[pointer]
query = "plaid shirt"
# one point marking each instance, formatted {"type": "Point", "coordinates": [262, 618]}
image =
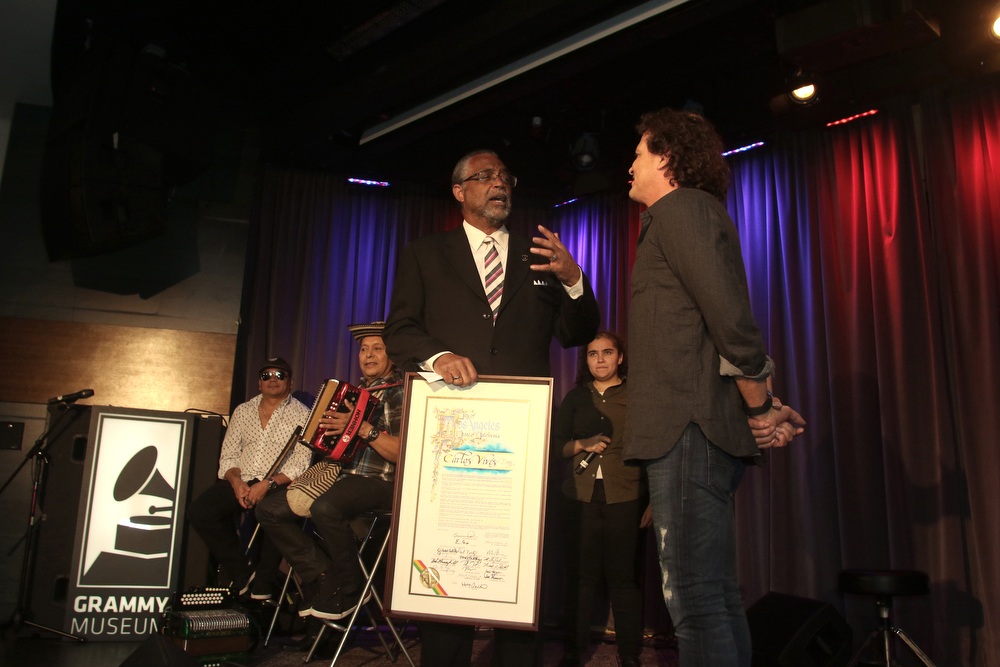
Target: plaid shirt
{"type": "Point", "coordinates": [387, 417]}
{"type": "Point", "coordinates": [254, 449]}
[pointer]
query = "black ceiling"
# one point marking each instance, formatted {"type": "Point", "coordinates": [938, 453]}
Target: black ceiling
{"type": "Point", "coordinates": [312, 76]}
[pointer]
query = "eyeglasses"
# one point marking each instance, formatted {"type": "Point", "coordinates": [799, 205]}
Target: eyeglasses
{"type": "Point", "coordinates": [491, 176]}
{"type": "Point", "coordinates": [278, 375]}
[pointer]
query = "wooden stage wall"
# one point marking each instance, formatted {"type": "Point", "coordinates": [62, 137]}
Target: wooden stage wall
{"type": "Point", "coordinates": [153, 369]}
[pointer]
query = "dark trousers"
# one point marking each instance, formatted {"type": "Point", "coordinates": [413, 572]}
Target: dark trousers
{"type": "Point", "coordinates": [331, 513]}
{"type": "Point", "coordinates": [447, 645]}
{"type": "Point", "coordinates": [211, 515]}
{"type": "Point", "coordinates": [605, 548]}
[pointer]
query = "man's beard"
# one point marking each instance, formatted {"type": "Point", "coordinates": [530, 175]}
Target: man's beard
{"type": "Point", "coordinates": [495, 214]}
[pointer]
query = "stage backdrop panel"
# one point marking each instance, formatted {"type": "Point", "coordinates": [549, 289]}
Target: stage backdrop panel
{"type": "Point", "coordinates": [159, 369]}
{"type": "Point", "coordinates": [127, 556]}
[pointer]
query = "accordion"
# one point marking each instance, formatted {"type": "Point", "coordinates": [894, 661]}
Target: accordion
{"type": "Point", "coordinates": [333, 396]}
{"type": "Point", "coordinates": [204, 625]}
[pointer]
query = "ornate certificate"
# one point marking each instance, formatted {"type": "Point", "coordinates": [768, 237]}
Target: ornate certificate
{"type": "Point", "coordinates": [470, 502]}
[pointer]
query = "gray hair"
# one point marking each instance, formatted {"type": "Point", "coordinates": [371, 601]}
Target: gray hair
{"type": "Point", "coordinates": [458, 173]}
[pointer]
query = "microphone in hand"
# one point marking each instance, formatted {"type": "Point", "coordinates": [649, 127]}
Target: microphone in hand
{"type": "Point", "coordinates": [582, 465]}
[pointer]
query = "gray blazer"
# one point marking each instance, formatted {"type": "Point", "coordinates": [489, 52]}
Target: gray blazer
{"type": "Point", "coordinates": [690, 304]}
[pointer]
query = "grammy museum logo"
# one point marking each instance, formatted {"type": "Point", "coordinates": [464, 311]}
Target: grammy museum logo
{"type": "Point", "coordinates": [128, 532]}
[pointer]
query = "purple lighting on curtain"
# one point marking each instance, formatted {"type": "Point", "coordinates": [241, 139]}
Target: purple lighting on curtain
{"type": "Point", "coordinates": [743, 149]}
{"type": "Point", "coordinates": [362, 181]}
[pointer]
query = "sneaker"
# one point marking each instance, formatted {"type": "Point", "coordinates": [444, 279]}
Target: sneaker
{"type": "Point", "coordinates": [325, 586]}
{"type": "Point", "coordinates": [309, 592]}
{"type": "Point", "coordinates": [261, 590]}
{"type": "Point", "coordinates": [237, 581]}
{"type": "Point", "coordinates": [337, 606]}
{"type": "Point", "coordinates": [241, 584]}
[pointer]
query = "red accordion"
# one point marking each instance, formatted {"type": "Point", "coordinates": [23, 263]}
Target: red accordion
{"type": "Point", "coordinates": [332, 397]}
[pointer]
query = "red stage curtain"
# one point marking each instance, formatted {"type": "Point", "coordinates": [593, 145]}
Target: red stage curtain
{"type": "Point", "coordinates": [962, 135]}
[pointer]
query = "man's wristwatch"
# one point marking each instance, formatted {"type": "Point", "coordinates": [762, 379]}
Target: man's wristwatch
{"type": "Point", "coordinates": [373, 435]}
{"type": "Point", "coordinates": [761, 409]}
{"type": "Point", "coordinates": [271, 484]}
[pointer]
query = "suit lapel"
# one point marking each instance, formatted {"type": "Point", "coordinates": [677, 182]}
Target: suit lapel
{"type": "Point", "coordinates": [518, 261]}
{"type": "Point", "coordinates": [457, 252]}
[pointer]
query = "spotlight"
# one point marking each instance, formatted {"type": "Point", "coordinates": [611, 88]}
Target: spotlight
{"type": "Point", "coordinates": [802, 89]}
{"type": "Point", "coordinates": [803, 94]}
{"type": "Point", "coordinates": [585, 152]}
{"type": "Point", "coordinates": [995, 28]}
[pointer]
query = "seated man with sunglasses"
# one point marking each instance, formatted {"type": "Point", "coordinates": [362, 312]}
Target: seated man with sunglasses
{"type": "Point", "coordinates": [258, 431]}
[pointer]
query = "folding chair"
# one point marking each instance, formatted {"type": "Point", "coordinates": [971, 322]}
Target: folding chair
{"type": "Point", "coordinates": [379, 519]}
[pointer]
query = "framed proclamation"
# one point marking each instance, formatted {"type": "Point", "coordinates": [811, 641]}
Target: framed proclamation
{"type": "Point", "coordinates": [469, 509]}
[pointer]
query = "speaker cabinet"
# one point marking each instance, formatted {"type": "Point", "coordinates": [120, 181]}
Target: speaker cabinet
{"type": "Point", "coordinates": [789, 631]}
{"type": "Point", "coordinates": [56, 531]}
{"type": "Point", "coordinates": [204, 471]}
{"type": "Point", "coordinates": [101, 192]}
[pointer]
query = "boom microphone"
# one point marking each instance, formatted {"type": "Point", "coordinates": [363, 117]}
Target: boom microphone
{"type": "Point", "coordinates": [72, 398]}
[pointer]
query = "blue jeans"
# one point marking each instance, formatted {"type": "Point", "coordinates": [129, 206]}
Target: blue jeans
{"type": "Point", "coordinates": [692, 491]}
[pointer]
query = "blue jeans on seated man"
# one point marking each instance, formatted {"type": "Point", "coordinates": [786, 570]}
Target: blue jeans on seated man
{"type": "Point", "coordinates": [692, 490]}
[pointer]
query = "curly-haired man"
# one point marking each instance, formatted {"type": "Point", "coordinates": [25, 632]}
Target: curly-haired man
{"type": "Point", "coordinates": [705, 409]}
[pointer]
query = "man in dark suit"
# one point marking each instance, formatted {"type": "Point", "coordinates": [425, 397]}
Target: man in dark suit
{"type": "Point", "coordinates": [468, 301]}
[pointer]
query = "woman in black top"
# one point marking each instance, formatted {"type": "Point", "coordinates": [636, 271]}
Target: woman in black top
{"type": "Point", "coordinates": [610, 498]}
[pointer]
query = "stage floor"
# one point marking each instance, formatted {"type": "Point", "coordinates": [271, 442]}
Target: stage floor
{"type": "Point", "coordinates": [365, 651]}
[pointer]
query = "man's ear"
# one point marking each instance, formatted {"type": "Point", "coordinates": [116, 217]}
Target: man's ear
{"type": "Point", "coordinates": [459, 193]}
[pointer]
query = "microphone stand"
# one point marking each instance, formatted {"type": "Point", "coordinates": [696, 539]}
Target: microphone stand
{"type": "Point", "coordinates": [39, 453]}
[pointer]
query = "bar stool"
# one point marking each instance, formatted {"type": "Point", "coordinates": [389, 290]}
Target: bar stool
{"type": "Point", "coordinates": [885, 585]}
{"type": "Point", "coordinates": [290, 579]}
{"type": "Point", "coordinates": [379, 519]}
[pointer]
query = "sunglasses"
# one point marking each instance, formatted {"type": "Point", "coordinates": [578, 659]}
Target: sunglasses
{"type": "Point", "coordinates": [267, 375]}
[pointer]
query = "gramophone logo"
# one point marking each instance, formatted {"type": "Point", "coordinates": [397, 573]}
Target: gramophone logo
{"type": "Point", "coordinates": [130, 523]}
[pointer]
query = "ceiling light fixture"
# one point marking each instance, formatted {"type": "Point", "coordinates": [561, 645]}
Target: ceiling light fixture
{"type": "Point", "coordinates": [804, 94]}
{"type": "Point", "coordinates": [585, 152]}
{"type": "Point", "coordinates": [802, 89]}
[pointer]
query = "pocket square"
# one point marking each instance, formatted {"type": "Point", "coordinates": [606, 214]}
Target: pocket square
{"type": "Point", "coordinates": [540, 283]}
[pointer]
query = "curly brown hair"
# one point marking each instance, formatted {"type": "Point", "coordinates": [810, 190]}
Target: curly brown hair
{"type": "Point", "coordinates": [693, 148]}
{"type": "Point", "coordinates": [583, 375]}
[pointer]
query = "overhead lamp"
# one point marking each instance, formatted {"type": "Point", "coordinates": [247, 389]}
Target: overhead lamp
{"type": "Point", "coordinates": [802, 89]}
{"type": "Point", "coordinates": [585, 152]}
{"type": "Point", "coordinates": [804, 94]}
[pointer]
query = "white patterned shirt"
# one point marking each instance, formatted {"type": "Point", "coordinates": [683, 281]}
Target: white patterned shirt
{"type": "Point", "coordinates": [254, 449]}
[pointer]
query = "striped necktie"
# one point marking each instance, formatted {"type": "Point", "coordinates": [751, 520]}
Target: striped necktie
{"type": "Point", "coordinates": [494, 275]}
